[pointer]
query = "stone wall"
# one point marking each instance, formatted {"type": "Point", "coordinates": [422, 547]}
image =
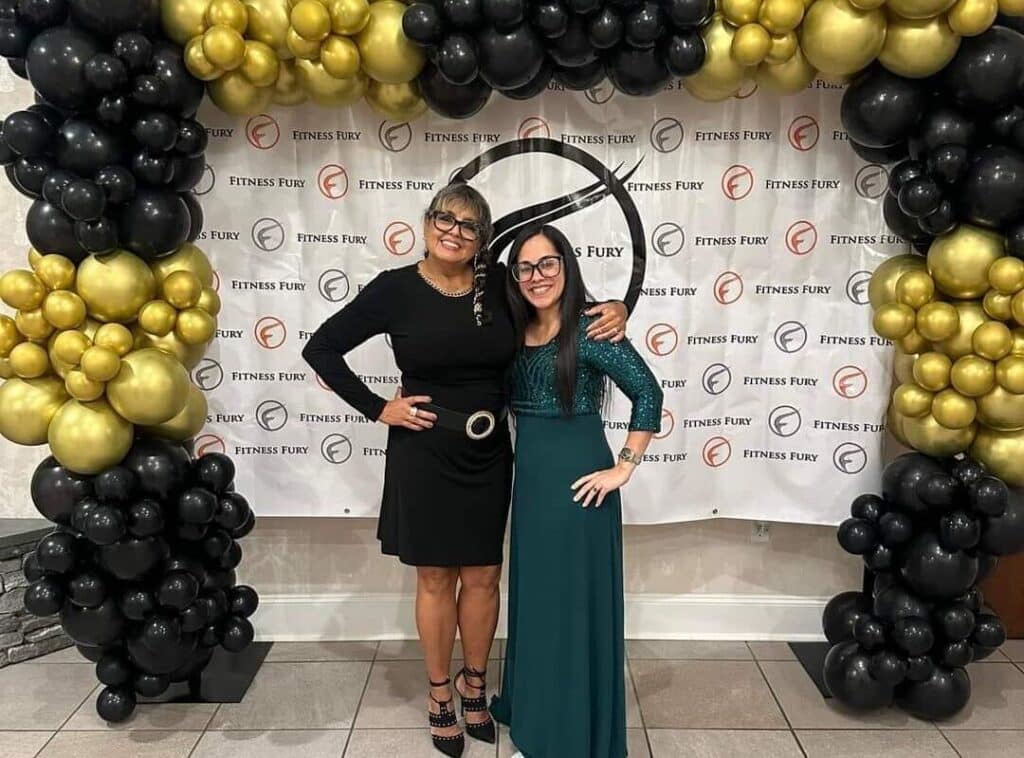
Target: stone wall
{"type": "Point", "coordinates": [22, 635]}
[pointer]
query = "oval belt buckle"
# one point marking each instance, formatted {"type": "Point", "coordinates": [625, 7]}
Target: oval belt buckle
{"type": "Point", "coordinates": [471, 421]}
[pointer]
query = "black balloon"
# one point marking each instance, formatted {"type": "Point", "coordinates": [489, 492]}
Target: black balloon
{"type": "Point", "coordinates": [869, 632]}
{"type": "Point", "coordinates": [105, 525]}
{"type": "Point", "coordinates": [903, 479]}
{"type": "Point", "coordinates": [503, 14]}
{"type": "Point", "coordinates": [987, 72]}
{"type": "Point", "coordinates": [942, 125]}
{"type": "Point", "coordinates": [880, 108]}
{"type": "Point", "coordinates": [215, 471]}
{"type": "Point", "coordinates": [1004, 534]}
{"type": "Point", "coordinates": [464, 14]}
{"type": "Point", "coordinates": [114, 485]}
{"type": "Point", "coordinates": [131, 558]}
{"type": "Point", "coordinates": [115, 703]}
{"type": "Point", "coordinates": [903, 172]}
{"type": "Point", "coordinates": [573, 48]}
{"type": "Point", "coordinates": [195, 214]}
{"type": "Point", "coordinates": [42, 13]}
{"type": "Point", "coordinates": [689, 14]}
{"type": "Point", "coordinates": [919, 667]}
{"type": "Point", "coordinates": [151, 685]}
{"type": "Point", "coordinates": [584, 7]}
{"type": "Point", "coordinates": [112, 109]}
{"type": "Point", "coordinates": [180, 92]}
{"type": "Point", "coordinates": [27, 133]}
{"type": "Point", "coordinates": [857, 536]}
{"type": "Point", "coordinates": [948, 163]}
{"type": "Point", "coordinates": [99, 236]}
{"type": "Point", "coordinates": [958, 531]}
{"type": "Point", "coordinates": [117, 182]}
{"type": "Point", "coordinates": [955, 654]}
{"type": "Point", "coordinates": [56, 60]}
{"type": "Point", "coordinates": [55, 490]}
{"type": "Point", "coordinates": [83, 200]}
{"type": "Point", "coordinates": [136, 603]}
{"type": "Point", "coordinates": [841, 615]}
{"type": "Point", "coordinates": [934, 572]}
{"type": "Point", "coordinates": [171, 657]}
{"type": "Point", "coordinates": [885, 155]}
{"type": "Point", "coordinates": [44, 596]}
{"type": "Point", "coordinates": [154, 170]}
{"type": "Point", "coordinates": [956, 622]}
{"type": "Point", "coordinates": [534, 87]}
{"type": "Point", "coordinates": [145, 518]}
{"type": "Point", "coordinates": [192, 139]}
{"type": "Point", "coordinates": [246, 527]}
{"type": "Point", "coordinates": [940, 221]}
{"type": "Point", "coordinates": [194, 618]}
{"type": "Point", "coordinates": [605, 29]}
{"type": "Point", "coordinates": [895, 602]}
{"type": "Point", "coordinates": [84, 147]}
{"type": "Point", "coordinates": [644, 25]}
{"type": "Point", "coordinates": [102, 625]}
{"type": "Point", "coordinates": [177, 590]}
{"type": "Point", "coordinates": [114, 669]}
{"type": "Point", "coordinates": [236, 633]}
{"type": "Point", "coordinates": [154, 223]}
{"type": "Point", "coordinates": [551, 19]}
{"type": "Point", "coordinates": [913, 635]}
{"type": "Point", "coordinates": [988, 631]}
{"type": "Point", "coordinates": [895, 528]}
{"type": "Point", "coordinates": [233, 510]}
{"type": "Point", "coordinates": [580, 78]}
{"type": "Point", "coordinates": [919, 197]}
{"type": "Point", "coordinates": [106, 72]}
{"type": "Point", "coordinates": [57, 552]}
{"type": "Point", "coordinates": [992, 194]}
{"type": "Point", "coordinates": [888, 667]}
{"type": "Point", "coordinates": [423, 24]}
{"type": "Point", "coordinates": [868, 507]}
{"type": "Point", "coordinates": [637, 72]}
{"type": "Point", "coordinates": [242, 600]}
{"type": "Point", "coordinates": [684, 53]}
{"type": "Point", "coordinates": [112, 17]}
{"type": "Point", "coordinates": [879, 558]}
{"type": "Point", "coordinates": [940, 696]}
{"type": "Point", "coordinates": [989, 495]}
{"type": "Point", "coordinates": [847, 675]}
{"type": "Point", "coordinates": [31, 568]}
{"type": "Point", "coordinates": [161, 467]}
{"type": "Point", "coordinates": [87, 589]}
{"type": "Point", "coordinates": [967, 471]}
{"type": "Point", "coordinates": [457, 59]}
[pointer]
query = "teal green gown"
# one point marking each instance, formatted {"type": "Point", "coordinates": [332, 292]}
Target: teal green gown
{"type": "Point", "coordinates": [563, 687]}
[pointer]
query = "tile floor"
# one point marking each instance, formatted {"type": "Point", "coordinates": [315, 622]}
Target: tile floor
{"type": "Point", "coordinates": [365, 700]}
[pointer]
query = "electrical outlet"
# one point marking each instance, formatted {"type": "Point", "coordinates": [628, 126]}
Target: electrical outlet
{"type": "Point", "coordinates": [761, 532]}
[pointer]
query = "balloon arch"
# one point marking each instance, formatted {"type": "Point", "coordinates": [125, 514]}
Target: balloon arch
{"type": "Point", "coordinates": [118, 304]}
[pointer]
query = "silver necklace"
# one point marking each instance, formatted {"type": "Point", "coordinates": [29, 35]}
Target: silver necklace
{"type": "Point", "coordinates": [436, 286]}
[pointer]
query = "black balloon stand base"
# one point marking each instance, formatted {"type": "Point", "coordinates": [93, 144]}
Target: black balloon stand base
{"type": "Point", "coordinates": [811, 656]}
{"type": "Point", "coordinates": [226, 678]}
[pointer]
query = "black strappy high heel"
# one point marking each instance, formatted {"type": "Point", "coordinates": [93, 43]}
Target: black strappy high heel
{"type": "Point", "coordinates": [484, 731]}
{"type": "Point", "coordinates": [450, 746]}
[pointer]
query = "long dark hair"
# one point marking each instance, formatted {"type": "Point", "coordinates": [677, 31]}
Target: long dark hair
{"type": "Point", "coordinates": [574, 300]}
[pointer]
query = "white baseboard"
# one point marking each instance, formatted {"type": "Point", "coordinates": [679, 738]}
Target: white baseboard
{"type": "Point", "coordinates": [386, 616]}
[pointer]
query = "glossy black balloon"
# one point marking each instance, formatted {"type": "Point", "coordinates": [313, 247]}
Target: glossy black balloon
{"type": "Point", "coordinates": [131, 558]}
{"type": "Point", "coordinates": [99, 626]}
{"type": "Point", "coordinates": [684, 53]}
{"type": "Point", "coordinates": [14, 39]}
{"type": "Point", "coordinates": [186, 173]}
{"type": "Point", "coordinates": [574, 47]}
{"type": "Point", "coordinates": [903, 172]}
{"type": "Point", "coordinates": [110, 17]}
{"type": "Point", "coordinates": [884, 155]}
{"type": "Point", "coordinates": [847, 675]}
{"type": "Point", "coordinates": [956, 622]}
{"type": "Point", "coordinates": [236, 633]}
{"type": "Point", "coordinates": [28, 133]}
{"type": "Point", "coordinates": [1004, 534]}
{"type": "Point", "coordinates": [83, 200]}
{"type": "Point", "coordinates": [85, 147]}
{"type": "Point", "coordinates": [901, 224]}
{"type": "Point", "coordinates": [584, 7]}
{"type": "Point", "coordinates": [105, 525]}
{"type": "Point", "coordinates": [56, 60]}
{"type": "Point", "coordinates": [580, 78]}
{"type": "Point", "coordinates": [987, 72]}
{"type": "Point", "coordinates": [115, 704]}
{"type": "Point", "coordinates": [550, 19]}
{"type": "Point", "coordinates": [504, 14]}
{"type": "Point", "coordinates": [457, 59]}
{"type": "Point", "coordinates": [17, 65]}
{"type": "Point", "coordinates": [880, 108]}
{"type": "Point", "coordinates": [42, 13]}
{"type": "Point", "coordinates": [941, 695]}
{"type": "Point", "coordinates": [30, 173]}
{"type": "Point", "coordinates": [136, 50]}
{"type": "Point", "coordinates": [986, 565]}
{"type": "Point", "coordinates": [464, 14]}
{"type": "Point", "coordinates": [193, 665]}
{"type": "Point", "coordinates": [879, 558]}
{"type": "Point", "coordinates": [958, 531]}
{"type": "Point", "coordinates": [942, 125]}
{"type": "Point", "coordinates": [934, 572]}
{"type": "Point", "coordinates": [232, 511]}
{"type": "Point", "coordinates": [231, 557]}
{"type": "Point", "coordinates": [195, 215]}
{"type": "Point", "coordinates": [919, 197]}
{"type": "Point", "coordinates": [106, 72]}
{"type": "Point", "coordinates": [895, 528]}
{"type": "Point", "coordinates": [31, 568]}
{"type": "Point", "coordinates": [246, 527]}
{"type": "Point", "coordinates": [967, 470]}
{"type": "Point", "coordinates": [136, 603]}
{"type": "Point", "coordinates": [989, 631]}
{"type": "Point", "coordinates": [117, 182]}
{"type": "Point", "coordinates": [182, 91]}
{"type": "Point", "coordinates": [99, 236]}
{"type": "Point", "coordinates": [152, 170]}
{"type": "Point", "coordinates": [170, 658]}
{"type": "Point", "coordinates": [81, 512]}
{"type": "Point", "coordinates": [534, 87]}
{"type": "Point", "coordinates": [177, 590]}
{"type": "Point", "coordinates": [857, 536]}
{"type": "Point", "coordinates": [868, 507]}
{"type": "Point", "coordinates": [190, 532]}
{"type": "Point", "coordinates": [50, 230]}
{"type": "Point", "coordinates": [197, 506]}
{"type": "Point", "coordinates": [992, 193]}
{"type": "Point", "coordinates": [902, 477]}
{"type": "Point", "coordinates": [44, 596]}
{"type": "Point", "coordinates": [192, 139]}
{"type": "Point", "coordinates": [637, 72]}
{"type": "Point", "coordinates": [895, 602]}
{"type": "Point", "coordinates": [194, 618]}
{"type": "Point", "coordinates": [114, 485]}
{"type": "Point", "coordinates": [888, 667]}
{"type": "Point", "coordinates": [940, 221]}
{"type": "Point", "coordinates": [55, 490]}
{"type": "Point", "coordinates": [841, 615]}
{"type": "Point", "coordinates": [214, 471]}
{"type": "Point", "coordinates": [939, 490]}
{"type": "Point", "coordinates": [242, 600]}
{"type": "Point", "coordinates": [87, 589]}
{"type": "Point", "coordinates": [113, 109]}
{"type": "Point", "coordinates": [154, 223]}
{"type": "Point", "coordinates": [605, 29]}
{"type": "Point", "coordinates": [57, 552]}
{"type": "Point", "coordinates": [644, 26]}
{"type": "Point", "coordinates": [869, 632]}
{"type": "Point", "coordinates": [151, 685]}
{"type": "Point", "coordinates": [1001, 126]}
{"type": "Point", "coordinates": [913, 635]}
{"type": "Point", "coordinates": [114, 669]}
{"type": "Point", "coordinates": [156, 131]}
{"type": "Point", "coordinates": [689, 14]}
{"type": "Point", "coordinates": [423, 23]}
{"type": "Point", "coordinates": [919, 667]}
{"type": "Point", "coordinates": [989, 495]}
{"type": "Point", "coordinates": [948, 163]}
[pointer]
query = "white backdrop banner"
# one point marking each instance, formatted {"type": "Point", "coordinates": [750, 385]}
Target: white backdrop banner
{"type": "Point", "coordinates": [745, 230]}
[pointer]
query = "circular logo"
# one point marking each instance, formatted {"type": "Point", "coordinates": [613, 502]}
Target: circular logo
{"type": "Point", "coordinates": [395, 137]}
{"type": "Point", "coordinates": [208, 443]}
{"type": "Point", "coordinates": [336, 448]}
{"type": "Point", "coordinates": [271, 415]}
{"type": "Point", "coordinates": [668, 424]}
{"type": "Point", "coordinates": [737, 182]}
{"type": "Point", "coordinates": [333, 285]}
{"type": "Point", "coordinates": [668, 239]}
{"type": "Point", "coordinates": [857, 287]}
{"type": "Point", "coordinates": [784, 421]}
{"type": "Point", "coordinates": [662, 339]}
{"type": "Point", "coordinates": [332, 181]}
{"type": "Point", "coordinates": [399, 238]}
{"type": "Point", "coordinates": [801, 237]}
{"type": "Point", "coordinates": [804, 133]}
{"type": "Point", "coordinates": [267, 234]}
{"type": "Point", "coordinates": [262, 132]}
{"type": "Point", "coordinates": [208, 375]}
{"type": "Point", "coordinates": [270, 332]}
{"type": "Point", "coordinates": [748, 88]}
{"type": "Point", "coordinates": [850, 458]}
{"type": "Point", "coordinates": [790, 336]}
{"type": "Point", "coordinates": [600, 93]}
{"type": "Point", "coordinates": [716, 452]}
{"type": "Point", "coordinates": [728, 287]}
{"type": "Point", "coordinates": [849, 381]}
{"type": "Point", "coordinates": [667, 134]}
{"type": "Point", "coordinates": [872, 181]}
{"type": "Point", "coordinates": [207, 182]}
{"type": "Point", "coordinates": [534, 126]}
{"type": "Point", "coordinates": [716, 379]}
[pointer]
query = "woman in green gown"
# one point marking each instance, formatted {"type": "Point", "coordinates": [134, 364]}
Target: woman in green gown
{"type": "Point", "coordinates": [563, 686]}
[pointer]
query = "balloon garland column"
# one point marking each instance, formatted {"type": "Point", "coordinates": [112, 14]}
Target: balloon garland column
{"type": "Point", "coordinates": [116, 307]}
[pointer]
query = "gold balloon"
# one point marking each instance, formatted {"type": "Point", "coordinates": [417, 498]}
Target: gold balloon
{"type": "Point", "coordinates": [903, 367]}
{"type": "Point", "coordinates": [928, 436]}
{"type": "Point", "coordinates": [786, 78]}
{"type": "Point", "coordinates": [893, 320]}
{"type": "Point", "coordinates": [234, 94]}
{"type": "Point", "coordinates": [882, 287]}
{"type": "Point", "coordinates": [721, 76]}
{"type": "Point", "coordinates": [839, 39]}
{"type": "Point", "coordinates": [224, 47]}
{"type": "Point", "coordinates": [1002, 453]}
{"type": "Point", "coordinates": [55, 271]}
{"type": "Point", "coordinates": [89, 437]}
{"type": "Point", "coordinates": [387, 55]}
{"type": "Point", "coordinates": [116, 337]}
{"type": "Point", "coordinates": [181, 289]}
{"type": "Point", "coordinates": [1012, 7]}
{"type": "Point", "coordinates": [781, 16]}
{"type": "Point", "coordinates": [1017, 307]}
{"type": "Point", "coordinates": [952, 410]}
{"type": "Point", "coordinates": [992, 340]}
{"type": "Point", "coordinates": [894, 423]}
{"type": "Point", "coordinates": [997, 306]}
{"type": "Point", "coordinates": [324, 89]}
{"type": "Point", "coordinates": [740, 12]}
{"type": "Point", "coordinates": [311, 20]}
{"type": "Point", "coordinates": [115, 286]}
{"type": "Point", "coordinates": [69, 346]}
{"type": "Point", "coordinates": [866, 5]}
{"type": "Point", "coordinates": [972, 17]}
{"type": "Point", "coordinates": [913, 342]}
{"type": "Point", "coordinates": [918, 47]}
{"type": "Point", "coordinates": [27, 406]}
{"type": "Point", "coordinates": [915, 288]}
{"type": "Point", "coordinates": [158, 317]}
{"type": "Point", "coordinates": [64, 309]}
{"type": "Point", "coordinates": [911, 400]}
{"type": "Point", "coordinates": [9, 335]}
{"type": "Point", "coordinates": [269, 23]}
{"type": "Point", "coordinates": [1001, 410]}
{"type": "Point", "coordinates": [349, 17]}
{"type": "Point", "coordinates": [81, 387]}
{"type": "Point", "coordinates": [931, 371]}
{"type": "Point", "coordinates": [973, 376]}
{"type": "Point", "coordinates": [398, 102]}
{"type": "Point", "coordinates": [6, 372]}
{"type": "Point", "coordinates": [100, 364]}
{"type": "Point", "coordinates": [750, 44]}
{"type": "Point", "coordinates": [1006, 275]}
{"type": "Point", "coordinates": [188, 257]}
{"type": "Point", "coordinates": [34, 256]}
{"type": "Point", "coordinates": [22, 290]}
{"type": "Point", "coordinates": [340, 57]}
{"type": "Point", "coordinates": [209, 301]}
{"type": "Point", "coordinates": [1010, 374]}
{"type": "Point", "coordinates": [287, 90]}
{"type": "Point", "coordinates": [187, 423]}
{"type": "Point", "coordinates": [188, 355]}
{"type": "Point", "coordinates": [231, 13]}
{"type": "Point", "coordinates": [970, 316]}
{"type": "Point", "coordinates": [959, 261]}
{"type": "Point", "coordinates": [150, 388]}
{"type": "Point", "coordinates": [29, 360]}
{"type": "Point", "coordinates": [301, 47]}
{"type": "Point", "coordinates": [784, 47]}
{"type": "Point", "coordinates": [198, 64]}
{"type": "Point", "coordinates": [183, 19]}
{"type": "Point", "coordinates": [919, 8]}
{"type": "Point", "coordinates": [260, 65]}
{"type": "Point", "coordinates": [33, 325]}
{"type": "Point", "coordinates": [195, 326]}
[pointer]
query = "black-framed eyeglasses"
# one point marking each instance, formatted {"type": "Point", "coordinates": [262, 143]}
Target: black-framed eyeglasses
{"type": "Point", "coordinates": [549, 267]}
{"type": "Point", "coordinates": [469, 230]}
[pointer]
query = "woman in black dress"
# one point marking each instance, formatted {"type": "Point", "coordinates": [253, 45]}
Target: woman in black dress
{"type": "Point", "coordinates": [448, 474]}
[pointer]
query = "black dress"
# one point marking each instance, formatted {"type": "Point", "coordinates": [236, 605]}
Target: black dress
{"type": "Point", "coordinates": [446, 496]}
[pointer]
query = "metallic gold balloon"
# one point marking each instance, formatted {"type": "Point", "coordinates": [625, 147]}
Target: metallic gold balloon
{"type": "Point", "coordinates": [913, 342]}
{"type": "Point", "coordinates": [893, 320]}
{"type": "Point", "coordinates": [55, 271]}
{"type": "Point", "coordinates": [1012, 7]}
{"type": "Point", "coordinates": [22, 290]}
{"type": "Point", "coordinates": [1001, 410]}
{"type": "Point", "coordinates": [195, 326]}
{"type": "Point", "coordinates": [1010, 374]}
{"type": "Point", "coordinates": [151, 387]}
{"type": "Point", "coordinates": [9, 335]}
{"type": "Point", "coordinates": [224, 47]}
{"type": "Point", "coordinates": [903, 367]}
{"type": "Point", "coordinates": [750, 44]}
{"type": "Point", "coordinates": [188, 355]}
{"type": "Point", "coordinates": [269, 23]}
{"type": "Point", "coordinates": [1006, 275]}
{"type": "Point", "coordinates": [64, 309]}
{"type": "Point", "coordinates": [82, 388]}
{"type": "Point", "coordinates": [158, 317]}
{"type": "Point", "coordinates": [912, 400]}
{"type": "Point", "coordinates": [69, 346]}
{"type": "Point", "coordinates": [973, 376]}
{"type": "Point", "coordinates": [740, 12]}
{"type": "Point", "coordinates": [1017, 307]}
{"type": "Point", "coordinates": [882, 287]}
{"type": "Point", "coordinates": [894, 423]}
{"type": "Point", "coordinates": [784, 47]}
{"type": "Point", "coordinates": [260, 65]}
{"type": "Point", "coordinates": [116, 337]}
{"type": "Point", "coordinates": [188, 257]}
{"type": "Point", "coordinates": [183, 19]}
{"type": "Point", "coordinates": [311, 20]}
{"type": "Point", "coordinates": [928, 436]}
{"type": "Point", "coordinates": [340, 57]}
{"type": "Point", "coordinates": [997, 306]}
{"type": "Point", "coordinates": [6, 372]}
{"type": "Point", "coordinates": [915, 288]}
{"type": "Point", "coordinates": [788, 77]}
{"type": "Point", "coordinates": [781, 16]}
{"type": "Point", "coordinates": [917, 48]}
{"type": "Point", "coordinates": [839, 39]}
{"type": "Point", "coordinates": [300, 47]}
{"type": "Point", "coordinates": [33, 325]}
{"type": "Point", "coordinates": [181, 289]}
{"type": "Point", "coordinates": [29, 360]}
{"type": "Point", "coordinates": [971, 316]}
{"type": "Point", "coordinates": [100, 364]}
{"type": "Point", "coordinates": [937, 321]}
{"type": "Point", "coordinates": [959, 261]}
{"type": "Point", "coordinates": [992, 340]}
{"type": "Point", "coordinates": [187, 423]}
{"type": "Point", "coordinates": [198, 64]}
{"type": "Point", "coordinates": [919, 8]}
{"type": "Point", "coordinates": [931, 371]}
{"type": "Point", "coordinates": [1002, 453]}
{"type": "Point", "coordinates": [115, 286]}
{"type": "Point", "coordinates": [234, 94]}
{"type": "Point", "coordinates": [349, 17]}
{"type": "Point", "coordinates": [231, 13]}
{"type": "Point", "coordinates": [324, 89]}
{"type": "Point", "coordinates": [27, 406]}
{"type": "Point", "coordinates": [398, 102]}
{"type": "Point", "coordinates": [34, 256]}
{"type": "Point", "coordinates": [89, 437]}
{"type": "Point", "coordinates": [972, 17]}
{"type": "Point", "coordinates": [1018, 341]}
{"type": "Point", "coordinates": [952, 410]}
{"type": "Point", "coordinates": [209, 301]}
{"type": "Point", "coordinates": [287, 90]}
{"type": "Point", "coordinates": [721, 76]}
{"type": "Point", "coordinates": [387, 55]}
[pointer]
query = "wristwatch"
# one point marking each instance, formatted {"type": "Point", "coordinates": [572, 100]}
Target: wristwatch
{"type": "Point", "coordinates": [629, 456]}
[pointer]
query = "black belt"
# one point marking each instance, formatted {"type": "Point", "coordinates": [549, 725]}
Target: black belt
{"type": "Point", "coordinates": [477, 426]}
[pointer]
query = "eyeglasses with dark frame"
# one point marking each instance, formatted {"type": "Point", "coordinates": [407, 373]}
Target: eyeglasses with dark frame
{"type": "Point", "coordinates": [469, 230]}
{"type": "Point", "coordinates": [549, 267]}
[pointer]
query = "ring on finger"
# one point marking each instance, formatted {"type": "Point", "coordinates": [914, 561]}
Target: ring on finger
{"type": "Point", "coordinates": [414, 411]}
